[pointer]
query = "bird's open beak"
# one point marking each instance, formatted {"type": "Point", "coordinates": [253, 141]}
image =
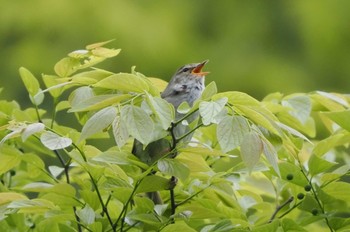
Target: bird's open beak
{"type": "Point", "coordinates": [198, 69]}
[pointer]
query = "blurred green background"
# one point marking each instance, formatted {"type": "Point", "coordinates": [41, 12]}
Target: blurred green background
{"type": "Point", "coordinates": [257, 47]}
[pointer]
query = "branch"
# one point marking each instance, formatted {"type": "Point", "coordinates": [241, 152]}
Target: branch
{"type": "Point", "coordinates": [279, 207]}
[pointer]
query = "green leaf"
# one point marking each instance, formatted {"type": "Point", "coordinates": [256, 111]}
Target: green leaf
{"type": "Point", "coordinates": [173, 167]}
{"type": "Point", "coordinates": [318, 165]}
{"type": "Point", "coordinates": [338, 190]}
{"type": "Point", "coordinates": [334, 97]}
{"type": "Point", "coordinates": [98, 102]}
{"type": "Point", "coordinates": [80, 95]}
{"type": "Point", "coordinates": [105, 52]}
{"type": "Point", "coordinates": [138, 122]}
{"type": "Point", "coordinates": [183, 108]}
{"type": "Point", "coordinates": [66, 66]}
{"type": "Point", "coordinates": [209, 91]}
{"type": "Point", "coordinates": [32, 129]}
{"type": "Point", "coordinates": [342, 118]}
{"type": "Point", "coordinates": [125, 82]}
{"type": "Point", "coordinates": [178, 226]}
{"type": "Point", "coordinates": [98, 122]}
{"type": "Point", "coordinates": [163, 110]}
{"type": "Point", "coordinates": [120, 132]}
{"type": "Point", "coordinates": [97, 45]}
{"type": "Point", "coordinates": [292, 131]}
{"type": "Point", "coordinates": [30, 82]}
{"type": "Point", "coordinates": [259, 118]}
{"type": "Point", "coordinates": [237, 98]}
{"type": "Point", "coordinates": [32, 206]}
{"type": "Point", "coordinates": [53, 141]}
{"type": "Point", "coordinates": [153, 183]}
{"type": "Point", "coordinates": [300, 107]}
{"type": "Point", "coordinates": [230, 132]}
{"type": "Point", "coordinates": [209, 110]}
{"type": "Point", "coordinates": [86, 214]}
{"type": "Point", "coordinates": [119, 157]}
{"type": "Point", "coordinates": [331, 142]}
{"type": "Point", "coordinates": [298, 177]}
{"type": "Point", "coordinates": [7, 197]}
{"type": "Point", "coordinates": [251, 149]}
{"type": "Point", "coordinates": [289, 224]}
{"type": "Point", "coordinates": [10, 157]}
{"type": "Point", "coordinates": [271, 155]}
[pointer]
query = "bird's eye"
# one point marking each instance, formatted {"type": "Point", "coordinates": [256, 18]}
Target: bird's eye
{"type": "Point", "coordinates": [185, 69]}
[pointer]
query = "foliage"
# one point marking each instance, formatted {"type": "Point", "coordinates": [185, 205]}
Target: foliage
{"type": "Point", "coordinates": [252, 165]}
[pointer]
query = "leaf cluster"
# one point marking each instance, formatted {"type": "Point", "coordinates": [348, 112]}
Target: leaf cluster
{"type": "Point", "coordinates": [251, 165]}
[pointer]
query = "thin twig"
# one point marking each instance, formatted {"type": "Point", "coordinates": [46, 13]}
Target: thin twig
{"type": "Point", "coordinates": [279, 207]}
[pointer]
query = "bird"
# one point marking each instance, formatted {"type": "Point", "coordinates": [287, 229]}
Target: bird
{"type": "Point", "coordinates": [186, 85]}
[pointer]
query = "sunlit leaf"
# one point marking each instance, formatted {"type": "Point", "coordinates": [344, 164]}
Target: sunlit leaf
{"type": "Point", "coordinates": [153, 183]}
{"type": "Point", "coordinates": [120, 132]}
{"type": "Point", "coordinates": [32, 129]}
{"type": "Point", "coordinates": [124, 82]}
{"type": "Point", "coordinates": [7, 197]}
{"type": "Point", "coordinates": [98, 102]}
{"type": "Point", "coordinates": [271, 155]}
{"type": "Point", "coordinates": [138, 122]}
{"type": "Point", "coordinates": [178, 226]}
{"type": "Point", "coordinates": [209, 110]}
{"type": "Point", "coordinates": [237, 98]}
{"type": "Point", "coordinates": [98, 122]}
{"type": "Point", "coordinates": [97, 45]}
{"type": "Point", "coordinates": [10, 158]}
{"type": "Point", "coordinates": [300, 107]}
{"type": "Point", "coordinates": [231, 131]}
{"type": "Point", "coordinates": [318, 165]}
{"type": "Point", "coordinates": [173, 167]}
{"type": "Point", "coordinates": [30, 82]}
{"type": "Point", "coordinates": [163, 110]}
{"type": "Point", "coordinates": [251, 149]}
{"type": "Point", "coordinates": [342, 118]}
{"type": "Point", "coordinates": [158, 83]}
{"type": "Point", "coordinates": [66, 66]}
{"type": "Point", "coordinates": [338, 190]}
{"type": "Point", "coordinates": [86, 215]}
{"type": "Point", "coordinates": [209, 91]}
{"type": "Point", "coordinates": [53, 141]}
{"type": "Point", "coordinates": [105, 52]}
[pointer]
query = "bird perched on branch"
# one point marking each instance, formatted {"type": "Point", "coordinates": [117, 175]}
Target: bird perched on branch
{"type": "Point", "coordinates": [186, 85]}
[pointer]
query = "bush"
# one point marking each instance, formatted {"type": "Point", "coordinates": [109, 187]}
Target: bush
{"type": "Point", "coordinates": [245, 169]}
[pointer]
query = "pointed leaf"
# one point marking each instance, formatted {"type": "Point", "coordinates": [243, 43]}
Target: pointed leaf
{"type": "Point", "coordinates": [300, 105]}
{"type": "Point", "coordinates": [32, 129]}
{"type": "Point", "coordinates": [138, 122]}
{"type": "Point", "coordinates": [98, 122]}
{"type": "Point", "coordinates": [342, 118]}
{"type": "Point", "coordinates": [318, 165]}
{"type": "Point", "coordinates": [271, 155]}
{"type": "Point", "coordinates": [53, 141]}
{"type": "Point", "coordinates": [209, 91]}
{"type": "Point", "coordinates": [120, 132]}
{"type": "Point", "coordinates": [230, 132]}
{"type": "Point", "coordinates": [125, 82]}
{"type": "Point", "coordinates": [7, 197]}
{"type": "Point", "coordinates": [153, 183]}
{"type": "Point", "coordinates": [66, 66]}
{"type": "Point", "coordinates": [86, 214]}
{"type": "Point", "coordinates": [173, 167]}
{"type": "Point", "coordinates": [30, 82]}
{"type": "Point", "coordinates": [251, 149]}
{"type": "Point", "coordinates": [209, 110]}
{"type": "Point", "coordinates": [163, 110]}
{"type": "Point", "coordinates": [98, 102]}
{"type": "Point", "coordinates": [97, 45]}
